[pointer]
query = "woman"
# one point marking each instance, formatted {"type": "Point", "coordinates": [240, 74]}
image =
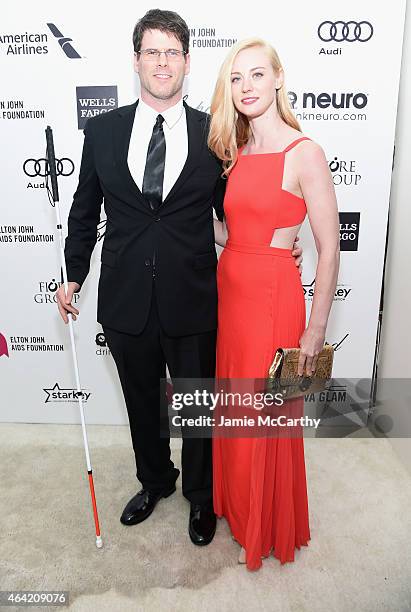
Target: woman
{"type": "Point", "coordinates": [275, 177]}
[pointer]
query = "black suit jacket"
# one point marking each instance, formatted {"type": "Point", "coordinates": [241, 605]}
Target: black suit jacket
{"type": "Point", "coordinates": [181, 233]}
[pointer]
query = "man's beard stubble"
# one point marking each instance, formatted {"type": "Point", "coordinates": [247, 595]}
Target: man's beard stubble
{"type": "Point", "coordinates": [163, 94]}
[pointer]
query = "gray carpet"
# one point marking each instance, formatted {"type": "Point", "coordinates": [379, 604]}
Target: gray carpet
{"type": "Point", "coordinates": [359, 556]}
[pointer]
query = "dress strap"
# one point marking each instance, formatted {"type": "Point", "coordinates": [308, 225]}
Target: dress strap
{"type": "Point", "coordinates": [295, 142]}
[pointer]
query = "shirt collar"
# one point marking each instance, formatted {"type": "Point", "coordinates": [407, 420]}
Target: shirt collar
{"type": "Point", "coordinates": [171, 115]}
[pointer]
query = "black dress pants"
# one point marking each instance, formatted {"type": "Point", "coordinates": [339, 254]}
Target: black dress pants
{"type": "Point", "coordinates": [141, 362]}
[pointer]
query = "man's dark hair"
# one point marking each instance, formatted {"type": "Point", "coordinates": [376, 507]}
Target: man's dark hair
{"type": "Point", "coordinates": [166, 21]}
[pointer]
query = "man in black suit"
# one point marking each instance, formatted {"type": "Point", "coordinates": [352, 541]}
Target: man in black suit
{"type": "Point", "coordinates": [157, 294]}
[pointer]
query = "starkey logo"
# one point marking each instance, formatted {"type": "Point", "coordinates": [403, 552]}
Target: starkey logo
{"type": "Point", "coordinates": [64, 394]}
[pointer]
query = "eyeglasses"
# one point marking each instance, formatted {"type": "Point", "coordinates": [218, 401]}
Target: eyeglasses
{"type": "Point", "coordinates": [154, 54]}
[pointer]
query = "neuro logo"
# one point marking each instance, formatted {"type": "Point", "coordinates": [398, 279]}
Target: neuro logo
{"type": "Point", "coordinates": [64, 42]}
{"type": "Point", "coordinates": [292, 98]}
{"type": "Point", "coordinates": [3, 346]}
{"type": "Point", "coordinates": [325, 99]}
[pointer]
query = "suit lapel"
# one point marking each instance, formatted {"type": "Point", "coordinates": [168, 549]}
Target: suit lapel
{"type": "Point", "coordinates": [121, 136]}
{"type": "Point", "coordinates": [195, 135]}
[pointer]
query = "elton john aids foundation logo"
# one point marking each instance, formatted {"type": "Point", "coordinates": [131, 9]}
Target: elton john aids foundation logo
{"type": "Point", "coordinates": [3, 346]}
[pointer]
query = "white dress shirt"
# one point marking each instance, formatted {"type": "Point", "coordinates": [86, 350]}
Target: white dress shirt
{"type": "Point", "coordinates": [175, 133]}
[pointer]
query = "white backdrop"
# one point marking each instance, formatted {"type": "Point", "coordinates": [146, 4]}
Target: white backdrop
{"type": "Point", "coordinates": [60, 64]}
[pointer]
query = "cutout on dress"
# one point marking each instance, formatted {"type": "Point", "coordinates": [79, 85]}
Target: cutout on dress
{"type": "Point", "coordinates": [284, 237]}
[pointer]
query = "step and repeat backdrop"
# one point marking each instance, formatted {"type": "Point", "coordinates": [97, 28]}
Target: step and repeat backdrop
{"type": "Point", "coordinates": [62, 64]}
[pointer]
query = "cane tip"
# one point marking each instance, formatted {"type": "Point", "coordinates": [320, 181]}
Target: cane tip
{"type": "Point", "coordinates": [99, 542]}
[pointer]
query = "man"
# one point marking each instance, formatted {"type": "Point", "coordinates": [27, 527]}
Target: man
{"type": "Point", "coordinates": [157, 297]}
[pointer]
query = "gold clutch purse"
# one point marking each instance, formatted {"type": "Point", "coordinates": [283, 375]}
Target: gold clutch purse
{"type": "Point", "coordinates": [283, 377]}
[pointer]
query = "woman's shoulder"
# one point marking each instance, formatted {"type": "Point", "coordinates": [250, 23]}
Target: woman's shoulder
{"type": "Point", "coordinates": [309, 159]}
{"type": "Point", "coordinates": [307, 148]}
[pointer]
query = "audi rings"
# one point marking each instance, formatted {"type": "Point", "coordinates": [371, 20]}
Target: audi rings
{"type": "Point", "coordinates": [40, 167]}
{"type": "Point", "coordinates": [340, 31]}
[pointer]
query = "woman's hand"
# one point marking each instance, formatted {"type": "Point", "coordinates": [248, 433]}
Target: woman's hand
{"type": "Point", "coordinates": [220, 232]}
{"type": "Point", "coordinates": [297, 253]}
{"type": "Point", "coordinates": [311, 343]}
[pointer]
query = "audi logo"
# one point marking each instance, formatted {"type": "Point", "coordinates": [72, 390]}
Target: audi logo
{"type": "Point", "coordinates": [40, 167]}
{"type": "Point", "coordinates": [350, 31]}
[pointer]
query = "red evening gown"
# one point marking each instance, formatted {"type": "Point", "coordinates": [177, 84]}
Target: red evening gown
{"type": "Point", "coordinates": [260, 482]}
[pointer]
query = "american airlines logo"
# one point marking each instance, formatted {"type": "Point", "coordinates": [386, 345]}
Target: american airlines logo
{"type": "Point", "coordinates": [64, 42]}
{"type": "Point", "coordinates": [36, 43]}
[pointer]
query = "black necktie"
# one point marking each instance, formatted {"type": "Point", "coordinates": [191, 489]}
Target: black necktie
{"type": "Point", "coordinates": [155, 162]}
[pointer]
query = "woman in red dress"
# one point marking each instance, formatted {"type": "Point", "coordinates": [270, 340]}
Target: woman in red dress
{"type": "Point", "coordinates": [275, 177]}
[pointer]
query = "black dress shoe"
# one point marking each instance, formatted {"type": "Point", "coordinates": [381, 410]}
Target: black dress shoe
{"type": "Point", "coordinates": [142, 505]}
{"type": "Point", "coordinates": [202, 524]}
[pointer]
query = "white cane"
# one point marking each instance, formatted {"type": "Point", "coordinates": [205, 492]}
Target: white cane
{"type": "Point", "coordinates": [55, 202]}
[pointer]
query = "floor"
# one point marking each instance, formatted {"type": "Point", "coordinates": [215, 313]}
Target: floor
{"type": "Point", "coordinates": [359, 557]}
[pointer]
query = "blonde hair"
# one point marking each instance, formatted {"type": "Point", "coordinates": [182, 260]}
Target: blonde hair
{"type": "Point", "coordinates": [230, 129]}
